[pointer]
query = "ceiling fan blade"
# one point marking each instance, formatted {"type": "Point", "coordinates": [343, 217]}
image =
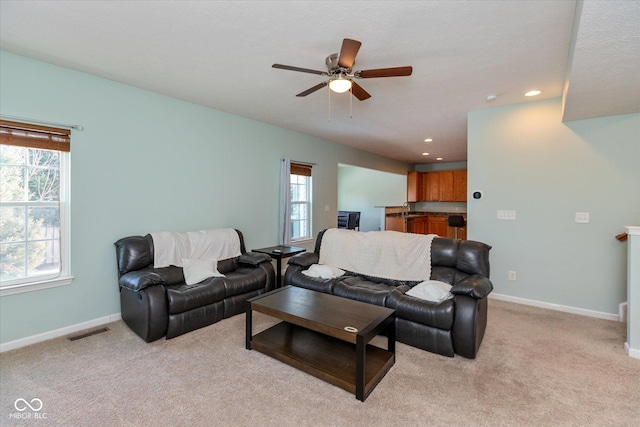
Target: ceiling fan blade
{"type": "Point", "coordinates": [348, 53]}
{"type": "Point", "coordinates": [302, 70]}
{"type": "Point", "coordinates": [384, 72]}
{"type": "Point", "coordinates": [358, 92]}
{"type": "Point", "coordinates": [312, 89]}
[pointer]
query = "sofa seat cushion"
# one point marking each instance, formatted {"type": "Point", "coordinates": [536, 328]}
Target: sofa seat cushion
{"type": "Point", "coordinates": [435, 314]}
{"type": "Point", "coordinates": [183, 297]}
{"type": "Point", "coordinates": [244, 280]}
{"type": "Point", "coordinates": [359, 289]}
{"type": "Point", "coordinates": [295, 277]}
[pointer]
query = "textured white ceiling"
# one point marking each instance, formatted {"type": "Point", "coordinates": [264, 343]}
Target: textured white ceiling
{"type": "Point", "coordinates": [604, 77]}
{"type": "Point", "coordinates": [219, 54]}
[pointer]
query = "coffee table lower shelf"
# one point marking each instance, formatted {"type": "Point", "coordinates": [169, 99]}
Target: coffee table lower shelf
{"type": "Point", "coordinates": [322, 356]}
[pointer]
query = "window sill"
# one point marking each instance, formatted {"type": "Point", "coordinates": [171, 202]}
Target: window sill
{"type": "Point", "coordinates": [306, 240]}
{"type": "Point", "coordinates": [35, 286]}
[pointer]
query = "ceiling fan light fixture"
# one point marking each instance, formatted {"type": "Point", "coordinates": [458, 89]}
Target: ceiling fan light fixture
{"type": "Point", "coordinates": [340, 84]}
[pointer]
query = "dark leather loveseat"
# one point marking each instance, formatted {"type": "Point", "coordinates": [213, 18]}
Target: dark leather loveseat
{"type": "Point", "coordinates": [448, 327]}
{"type": "Point", "coordinates": [156, 302]}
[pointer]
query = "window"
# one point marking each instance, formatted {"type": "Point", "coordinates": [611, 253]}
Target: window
{"type": "Point", "coordinates": [300, 201]}
{"type": "Point", "coordinates": [34, 162]}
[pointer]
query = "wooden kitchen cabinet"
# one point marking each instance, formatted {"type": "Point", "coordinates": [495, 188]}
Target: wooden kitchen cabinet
{"type": "Point", "coordinates": [446, 186]}
{"type": "Point", "coordinates": [426, 224]}
{"type": "Point", "coordinates": [437, 225]}
{"type": "Point", "coordinates": [459, 186]}
{"type": "Point", "coordinates": [395, 223]}
{"type": "Point", "coordinates": [417, 225]}
{"type": "Point", "coordinates": [414, 186]}
{"type": "Point", "coordinates": [431, 186]}
{"type": "Point", "coordinates": [437, 186]}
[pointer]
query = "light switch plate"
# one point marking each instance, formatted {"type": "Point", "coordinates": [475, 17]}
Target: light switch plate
{"type": "Point", "coordinates": [583, 218]}
{"type": "Point", "coordinates": [508, 215]}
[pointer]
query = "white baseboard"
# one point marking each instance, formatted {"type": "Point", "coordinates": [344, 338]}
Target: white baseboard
{"type": "Point", "coordinates": [557, 307]}
{"type": "Point", "coordinates": [23, 342]}
{"type": "Point", "coordinates": [12, 345]}
{"type": "Point", "coordinates": [632, 352]}
{"type": "Point", "coordinates": [622, 312]}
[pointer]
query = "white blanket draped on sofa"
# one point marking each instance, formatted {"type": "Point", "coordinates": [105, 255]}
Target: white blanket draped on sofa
{"type": "Point", "coordinates": [384, 254]}
{"type": "Point", "coordinates": [171, 248]}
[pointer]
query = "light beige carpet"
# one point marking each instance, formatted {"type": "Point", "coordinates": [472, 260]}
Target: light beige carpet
{"type": "Point", "coordinates": [536, 367]}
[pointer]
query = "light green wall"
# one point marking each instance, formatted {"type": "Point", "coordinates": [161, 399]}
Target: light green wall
{"type": "Point", "coordinates": [147, 162]}
{"type": "Point", "coordinates": [524, 158]}
{"type": "Point", "coordinates": [361, 189]}
{"type": "Point", "coordinates": [446, 166]}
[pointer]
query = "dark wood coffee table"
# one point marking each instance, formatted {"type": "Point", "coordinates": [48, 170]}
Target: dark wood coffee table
{"type": "Point", "coordinates": [325, 336]}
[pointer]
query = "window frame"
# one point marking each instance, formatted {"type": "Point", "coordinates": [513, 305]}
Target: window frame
{"type": "Point", "coordinates": [64, 276]}
{"type": "Point", "coordinates": [307, 203]}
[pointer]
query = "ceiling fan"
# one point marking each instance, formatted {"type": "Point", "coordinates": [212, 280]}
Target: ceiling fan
{"type": "Point", "coordinates": [339, 71]}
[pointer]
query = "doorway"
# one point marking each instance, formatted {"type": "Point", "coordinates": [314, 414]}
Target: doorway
{"type": "Point", "coordinates": [368, 191]}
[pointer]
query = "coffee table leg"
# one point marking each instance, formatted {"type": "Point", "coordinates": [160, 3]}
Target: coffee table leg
{"type": "Point", "coordinates": [248, 327]}
{"type": "Point", "coordinates": [360, 365]}
{"type": "Point", "coordinates": [391, 336]}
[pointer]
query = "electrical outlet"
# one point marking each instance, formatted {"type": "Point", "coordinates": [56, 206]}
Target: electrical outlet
{"type": "Point", "coordinates": [513, 276]}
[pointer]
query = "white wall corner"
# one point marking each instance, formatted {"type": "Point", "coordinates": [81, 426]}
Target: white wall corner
{"type": "Point", "coordinates": [632, 352]}
{"type": "Point", "coordinates": [622, 312]}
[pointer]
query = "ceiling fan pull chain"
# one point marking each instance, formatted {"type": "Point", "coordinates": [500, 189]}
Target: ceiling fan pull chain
{"type": "Point", "coordinates": [329, 92]}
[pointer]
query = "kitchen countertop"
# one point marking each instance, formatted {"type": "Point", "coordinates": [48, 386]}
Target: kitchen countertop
{"type": "Point", "coordinates": [419, 214]}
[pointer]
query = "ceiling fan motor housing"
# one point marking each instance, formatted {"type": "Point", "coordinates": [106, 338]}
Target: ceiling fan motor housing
{"type": "Point", "coordinates": [333, 67]}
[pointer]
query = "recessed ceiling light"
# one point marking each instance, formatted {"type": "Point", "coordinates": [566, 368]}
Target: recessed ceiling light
{"type": "Point", "coordinates": [439, 158]}
{"type": "Point", "coordinates": [491, 98]}
{"type": "Point", "coordinates": [425, 154]}
{"type": "Point", "coordinates": [428, 140]}
{"type": "Point", "coordinates": [533, 93]}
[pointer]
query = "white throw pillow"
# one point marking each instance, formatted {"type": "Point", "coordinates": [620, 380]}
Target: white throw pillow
{"type": "Point", "coordinates": [196, 270]}
{"type": "Point", "coordinates": [323, 271]}
{"type": "Point", "coordinates": [431, 290]}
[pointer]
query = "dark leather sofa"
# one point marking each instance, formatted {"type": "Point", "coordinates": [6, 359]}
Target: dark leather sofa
{"type": "Point", "coordinates": [452, 326]}
{"type": "Point", "coordinates": [156, 302]}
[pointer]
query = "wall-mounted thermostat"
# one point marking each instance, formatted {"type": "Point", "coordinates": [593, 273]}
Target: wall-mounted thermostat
{"type": "Point", "coordinates": [477, 195]}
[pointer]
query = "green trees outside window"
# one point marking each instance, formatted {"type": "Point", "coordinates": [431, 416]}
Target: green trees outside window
{"type": "Point", "coordinates": [29, 213]}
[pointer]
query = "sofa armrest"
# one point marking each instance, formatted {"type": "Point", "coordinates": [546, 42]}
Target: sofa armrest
{"type": "Point", "coordinates": [253, 258]}
{"type": "Point", "coordinates": [475, 286]}
{"type": "Point", "coordinates": [140, 279]}
{"type": "Point", "coordinates": [304, 259]}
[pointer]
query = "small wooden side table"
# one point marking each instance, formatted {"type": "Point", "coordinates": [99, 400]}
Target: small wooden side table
{"type": "Point", "coordinates": [279, 252]}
